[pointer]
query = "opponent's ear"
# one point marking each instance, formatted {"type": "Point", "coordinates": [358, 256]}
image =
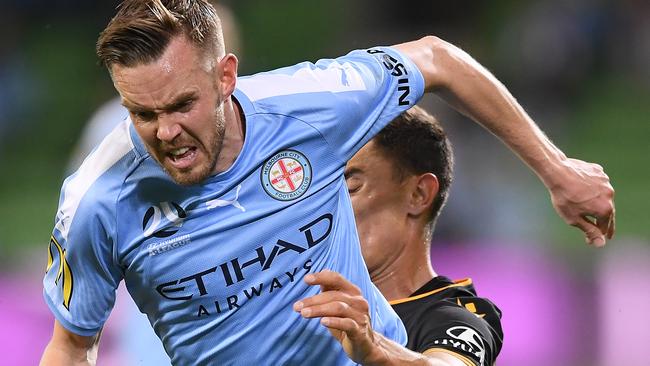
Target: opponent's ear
{"type": "Point", "coordinates": [424, 190]}
{"type": "Point", "coordinates": [227, 67]}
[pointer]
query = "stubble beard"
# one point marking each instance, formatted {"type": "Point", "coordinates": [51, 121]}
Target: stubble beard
{"type": "Point", "coordinates": [198, 174]}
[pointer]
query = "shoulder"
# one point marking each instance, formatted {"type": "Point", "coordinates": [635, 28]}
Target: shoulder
{"type": "Point", "coordinates": [450, 316]}
{"type": "Point", "coordinates": [96, 184]}
{"type": "Point", "coordinates": [446, 300]}
{"type": "Point", "coordinates": [352, 72]}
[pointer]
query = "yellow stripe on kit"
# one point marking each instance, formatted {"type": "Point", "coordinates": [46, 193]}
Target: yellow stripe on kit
{"type": "Point", "coordinates": [64, 272]}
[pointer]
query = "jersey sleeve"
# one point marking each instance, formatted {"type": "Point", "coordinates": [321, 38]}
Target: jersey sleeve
{"type": "Point", "coordinates": [348, 99]}
{"type": "Point", "coordinates": [470, 328]}
{"type": "Point", "coordinates": [383, 82]}
{"type": "Point", "coordinates": [81, 276]}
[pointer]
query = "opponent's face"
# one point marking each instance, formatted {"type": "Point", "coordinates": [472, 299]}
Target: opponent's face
{"type": "Point", "coordinates": [176, 106]}
{"type": "Point", "coordinates": [379, 202]}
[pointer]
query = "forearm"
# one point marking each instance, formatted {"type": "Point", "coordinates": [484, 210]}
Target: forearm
{"type": "Point", "coordinates": [468, 87]}
{"type": "Point", "coordinates": [69, 349]}
{"type": "Point", "coordinates": [389, 353]}
{"type": "Point", "coordinates": [474, 91]}
{"type": "Point", "coordinates": [55, 354]}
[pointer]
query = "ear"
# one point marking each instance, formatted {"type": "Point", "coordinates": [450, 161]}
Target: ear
{"type": "Point", "coordinates": [227, 74]}
{"type": "Point", "coordinates": [424, 190]}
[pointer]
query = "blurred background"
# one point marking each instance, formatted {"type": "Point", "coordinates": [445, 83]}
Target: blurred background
{"type": "Point", "coordinates": [581, 68]}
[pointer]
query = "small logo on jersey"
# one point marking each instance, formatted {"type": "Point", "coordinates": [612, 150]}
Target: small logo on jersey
{"type": "Point", "coordinates": [398, 70]}
{"type": "Point", "coordinates": [287, 175]}
{"type": "Point", "coordinates": [158, 219]}
{"type": "Point", "coordinates": [169, 244]}
{"type": "Point", "coordinates": [471, 307]}
{"type": "Point", "coordinates": [64, 272]}
{"type": "Point", "coordinates": [211, 204]}
{"type": "Point", "coordinates": [465, 339]}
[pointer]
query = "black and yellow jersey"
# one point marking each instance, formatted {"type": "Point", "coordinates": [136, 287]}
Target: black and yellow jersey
{"type": "Point", "coordinates": [447, 316]}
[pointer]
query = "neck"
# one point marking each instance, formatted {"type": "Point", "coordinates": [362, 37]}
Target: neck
{"type": "Point", "coordinates": [234, 134]}
{"type": "Point", "coordinates": [408, 271]}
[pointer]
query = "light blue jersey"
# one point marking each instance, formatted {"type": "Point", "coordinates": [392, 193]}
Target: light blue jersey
{"type": "Point", "coordinates": [217, 266]}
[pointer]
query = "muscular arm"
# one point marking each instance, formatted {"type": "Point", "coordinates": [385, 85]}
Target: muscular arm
{"type": "Point", "coordinates": [344, 311]}
{"type": "Point", "coordinates": [67, 348]}
{"type": "Point", "coordinates": [580, 191]}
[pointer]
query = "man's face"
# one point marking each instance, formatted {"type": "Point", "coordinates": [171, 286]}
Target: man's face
{"type": "Point", "coordinates": [176, 107]}
{"type": "Point", "coordinates": [379, 201]}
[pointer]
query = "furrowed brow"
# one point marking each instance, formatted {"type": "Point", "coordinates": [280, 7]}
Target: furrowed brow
{"type": "Point", "coordinates": [180, 100]}
{"type": "Point", "coordinates": [132, 106]}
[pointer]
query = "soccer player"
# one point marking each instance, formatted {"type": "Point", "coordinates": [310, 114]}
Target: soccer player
{"type": "Point", "coordinates": [139, 344]}
{"type": "Point", "coordinates": [219, 194]}
{"type": "Point", "coordinates": [398, 184]}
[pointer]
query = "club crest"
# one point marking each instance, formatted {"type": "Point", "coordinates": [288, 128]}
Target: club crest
{"type": "Point", "coordinates": [286, 175]}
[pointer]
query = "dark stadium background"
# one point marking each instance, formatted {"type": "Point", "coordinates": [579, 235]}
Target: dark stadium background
{"type": "Point", "coordinates": [580, 67]}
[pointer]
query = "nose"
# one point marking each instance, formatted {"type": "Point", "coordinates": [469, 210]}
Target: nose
{"type": "Point", "coordinates": [168, 128]}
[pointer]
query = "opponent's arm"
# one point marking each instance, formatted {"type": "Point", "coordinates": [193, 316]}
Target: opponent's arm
{"type": "Point", "coordinates": [391, 353]}
{"type": "Point", "coordinates": [69, 349]}
{"type": "Point", "coordinates": [344, 311]}
{"type": "Point", "coordinates": [580, 191]}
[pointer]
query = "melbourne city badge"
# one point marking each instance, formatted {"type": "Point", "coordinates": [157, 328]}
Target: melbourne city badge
{"type": "Point", "coordinates": [286, 175]}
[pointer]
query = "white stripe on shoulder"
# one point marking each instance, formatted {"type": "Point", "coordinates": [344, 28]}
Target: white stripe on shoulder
{"type": "Point", "coordinates": [113, 148]}
{"type": "Point", "coordinates": [335, 78]}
